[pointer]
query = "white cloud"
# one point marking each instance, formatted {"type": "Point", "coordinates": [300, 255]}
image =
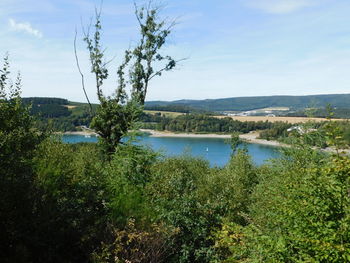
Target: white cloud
{"type": "Point", "coordinates": [24, 27]}
{"type": "Point", "coordinates": [279, 6]}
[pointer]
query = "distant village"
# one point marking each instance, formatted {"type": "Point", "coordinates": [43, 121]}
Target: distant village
{"type": "Point", "coordinates": [267, 112]}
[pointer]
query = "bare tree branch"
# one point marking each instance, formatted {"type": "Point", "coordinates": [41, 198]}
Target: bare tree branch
{"type": "Point", "coordinates": [137, 14]}
{"type": "Point", "coordinates": [164, 69]}
{"type": "Point", "coordinates": [109, 61]}
{"type": "Point", "coordinates": [81, 74]}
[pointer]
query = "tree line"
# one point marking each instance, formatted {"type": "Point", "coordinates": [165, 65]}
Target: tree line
{"type": "Point", "coordinates": [176, 108]}
{"type": "Point", "coordinates": [199, 123]}
{"type": "Point", "coordinates": [311, 133]}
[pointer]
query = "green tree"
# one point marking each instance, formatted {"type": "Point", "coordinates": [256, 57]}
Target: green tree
{"type": "Point", "coordinates": [175, 192]}
{"type": "Point", "coordinates": [72, 216]}
{"type": "Point", "coordinates": [18, 141]}
{"type": "Point", "coordinates": [117, 114]}
{"type": "Point", "coordinates": [299, 213]}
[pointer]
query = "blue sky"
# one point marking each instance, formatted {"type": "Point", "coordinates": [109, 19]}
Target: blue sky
{"type": "Point", "coordinates": [234, 47]}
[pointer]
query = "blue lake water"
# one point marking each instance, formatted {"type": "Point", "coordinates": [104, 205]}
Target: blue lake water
{"type": "Point", "coordinates": [215, 150]}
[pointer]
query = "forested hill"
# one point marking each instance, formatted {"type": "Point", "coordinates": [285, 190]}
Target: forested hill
{"type": "Point", "coordinates": [60, 114]}
{"type": "Point", "coordinates": [48, 107]}
{"type": "Point", "coordinates": [251, 103]}
{"type": "Point", "coordinates": [56, 107]}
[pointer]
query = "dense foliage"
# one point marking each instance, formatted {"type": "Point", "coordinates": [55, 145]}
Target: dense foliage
{"type": "Point", "coordinates": [50, 111]}
{"type": "Point", "coordinates": [175, 108]}
{"type": "Point", "coordinates": [341, 113]}
{"type": "Point", "coordinates": [203, 123]}
{"type": "Point", "coordinates": [57, 114]}
{"type": "Point", "coordinates": [299, 213]}
{"type": "Point", "coordinates": [18, 141]}
{"type": "Point", "coordinates": [66, 203]}
{"type": "Point", "coordinates": [44, 101]}
{"type": "Point", "coordinates": [312, 134]}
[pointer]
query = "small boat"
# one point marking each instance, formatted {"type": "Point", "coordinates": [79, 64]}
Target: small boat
{"type": "Point", "coordinates": [87, 136]}
{"type": "Point", "coordinates": [207, 150]}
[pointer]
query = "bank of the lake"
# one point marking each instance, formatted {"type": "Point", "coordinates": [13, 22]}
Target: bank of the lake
{"type": "Point", "coordinates": [251, 137]}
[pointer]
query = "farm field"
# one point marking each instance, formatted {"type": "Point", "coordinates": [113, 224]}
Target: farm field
{"type": "Point", "coordinates": [291, 120]}
{"type": "Point", "coordinates": [70, 106]}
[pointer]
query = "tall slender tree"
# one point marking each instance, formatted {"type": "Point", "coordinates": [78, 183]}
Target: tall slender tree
{"type": "Point", "coordinates": [118, 113]}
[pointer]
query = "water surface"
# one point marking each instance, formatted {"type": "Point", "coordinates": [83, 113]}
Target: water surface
{"type": "Point", "coordinates": [215, 150]}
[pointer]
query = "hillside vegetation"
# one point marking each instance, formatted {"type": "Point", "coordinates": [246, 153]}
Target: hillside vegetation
{"type": "Point", "coordinates": [59, 114]}
{"type": "Point", "coordinates": [251, 103]}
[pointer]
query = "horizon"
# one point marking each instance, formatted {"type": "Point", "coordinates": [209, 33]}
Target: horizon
{"type": "Point", "coordinates": [252, 48]}
{"type": "Point", "coordinates": [308, 95]}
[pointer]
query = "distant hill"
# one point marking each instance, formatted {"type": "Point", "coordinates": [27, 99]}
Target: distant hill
{"type": "Point", "coordinates": [58, 107]}
{"type": "Point", "coordinates": [252, 103]}
{"type": "Point", "coordinates": [62, 115]}
{"type": "Point", "coordinates": [58, 114]}
{"type": "Point", "coordinates": [48, 107]}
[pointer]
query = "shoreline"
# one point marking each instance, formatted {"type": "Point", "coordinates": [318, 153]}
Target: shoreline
{"type": "Point", "coordinates": [247, 137]}
{"type": "Point", "coordinates": [154, 133]}
{"type": "Point", "coordinates": [82, 133]}
{"type": "Point", "coordinates": [251, 137]}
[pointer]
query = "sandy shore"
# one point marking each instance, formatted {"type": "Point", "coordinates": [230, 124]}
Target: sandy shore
{"type": "Point", "coordinates": [154, 133]}
{"type": "Point", "coordinates": [82, 133]}
{"type": "Point", "coordinates": [249, 137]}
{"type": "Point", "coordinates": [252, 137]}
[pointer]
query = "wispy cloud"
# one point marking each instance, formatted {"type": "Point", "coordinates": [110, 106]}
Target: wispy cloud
{"type": "Point", "coordinates": [24, 27]}
{"type": "Point", "coordinates": [279, 6]}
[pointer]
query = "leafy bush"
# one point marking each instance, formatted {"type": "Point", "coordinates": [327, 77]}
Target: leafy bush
{"type": "Point", "coordinates": [175, 195]}
{"type": "Point", "coordinates": [300, 213]}
{"type": "Point", "coordinates": [133, 245]}
{"type": "Point", "coordinates": [73, 215]}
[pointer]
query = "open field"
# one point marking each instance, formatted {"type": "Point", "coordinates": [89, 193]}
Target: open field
{"type": "Point", "coordinates": [276, 119]}
{"type": "Point", "coordinates": [165, 113]}
{"type": "Point", "coordinates": [70, 106]}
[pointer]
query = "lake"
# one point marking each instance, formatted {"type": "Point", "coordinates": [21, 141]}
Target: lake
{"type": "Point", "coordinates": [215, 150]}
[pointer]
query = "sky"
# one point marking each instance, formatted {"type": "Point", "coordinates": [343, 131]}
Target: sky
{"type": "Point", "coordinates": [234, 48]}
